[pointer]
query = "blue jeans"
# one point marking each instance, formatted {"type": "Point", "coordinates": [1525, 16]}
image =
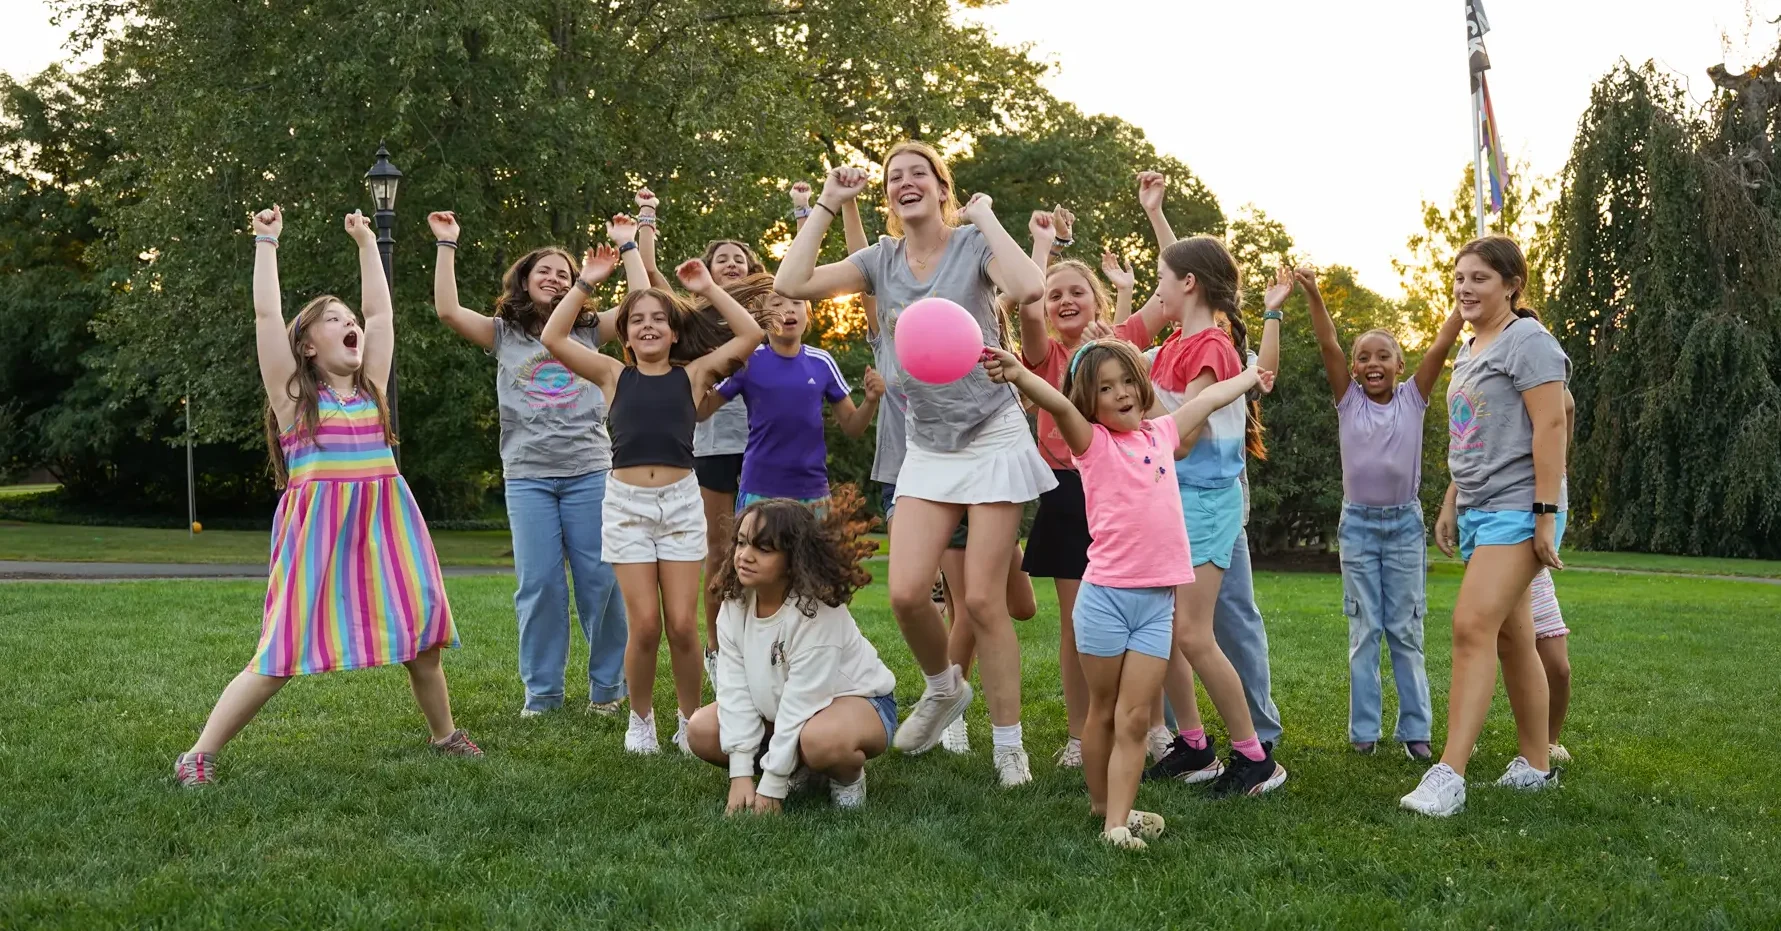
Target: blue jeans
{"type": "Point", "coordinates": [1237, 626]}
{"type": "Point", "coordinates": [556, 520]}
{"type": "Point", "coordinates": [1384, 565]}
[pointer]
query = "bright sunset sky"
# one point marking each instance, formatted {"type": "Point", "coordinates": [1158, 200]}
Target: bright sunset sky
{"type": "Point", "coordinates": [1337, 119]}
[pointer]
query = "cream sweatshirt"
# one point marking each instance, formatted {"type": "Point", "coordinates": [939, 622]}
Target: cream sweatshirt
{"type": "Point", "coordinates": [785, 669]}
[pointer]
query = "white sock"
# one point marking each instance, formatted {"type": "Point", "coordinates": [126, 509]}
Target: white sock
{"type": "Point", "coordinates": [943, 682]}
{"type": "Point", "coordinates": [1005, 736]}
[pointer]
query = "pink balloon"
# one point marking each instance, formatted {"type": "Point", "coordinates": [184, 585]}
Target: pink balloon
{"type": "Point", "coordinates": [937, 341]}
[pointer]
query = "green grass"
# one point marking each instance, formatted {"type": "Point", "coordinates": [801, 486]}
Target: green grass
{"type": "Point", "coordinates": [76, 543]}
{"type": "Point", "coordinates": [7, 491]}
{"type": "Point", "coordinates": [331, 812]}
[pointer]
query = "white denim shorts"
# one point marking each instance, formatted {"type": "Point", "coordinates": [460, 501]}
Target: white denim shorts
{"type": "Point", "coordinates": [652, 524]}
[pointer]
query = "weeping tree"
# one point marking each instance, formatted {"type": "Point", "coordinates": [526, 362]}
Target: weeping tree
{"type": "Point", "coordinates": [1664, 276]}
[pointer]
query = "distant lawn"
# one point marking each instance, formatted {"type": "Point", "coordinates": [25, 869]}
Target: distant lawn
{"type": "Point", "coordinates": [76, 543]}
{"type": "Point", "coordinates": [10, 490]}
{"type": "Point", "coordinates": [331, 812]}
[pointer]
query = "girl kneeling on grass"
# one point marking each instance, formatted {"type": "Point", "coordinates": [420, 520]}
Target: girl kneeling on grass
{"type": "Point", "coordinates": [354, 580]}
{"type": "Point", "coordinates": [801, 693]}
{"type": "Point", "coordinates": [1125, 608]}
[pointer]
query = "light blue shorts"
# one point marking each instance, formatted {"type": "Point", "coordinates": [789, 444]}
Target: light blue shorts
{"type": "Point", "coordinates": [886, 706]}
{"type": "Point", "coordinates": [1214, 518]}
{"type": "Point", "coordinates": [1110, 621]}
{"type": "Point", "coordinates": [1499, 528]}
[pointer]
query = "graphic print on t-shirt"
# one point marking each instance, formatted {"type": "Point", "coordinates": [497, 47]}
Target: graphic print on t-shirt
{"type": "Point", "coordinates": [1463, 416]}
{"type": "Point", "coordinates": [547, 383]}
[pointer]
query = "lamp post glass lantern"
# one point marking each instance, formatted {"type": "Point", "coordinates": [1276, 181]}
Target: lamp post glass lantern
{"type": "Point", "coordinates": [383, 179]}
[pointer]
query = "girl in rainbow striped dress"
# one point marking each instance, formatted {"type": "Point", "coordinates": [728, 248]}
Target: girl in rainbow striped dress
{"type": "Point", "coordinates": [354, 580]}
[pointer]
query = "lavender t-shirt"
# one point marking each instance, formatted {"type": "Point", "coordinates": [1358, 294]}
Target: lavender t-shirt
{"type": "Point", "coordinates": [787, 456]}
{"type": "Point", "coordinates": [1381, 445]}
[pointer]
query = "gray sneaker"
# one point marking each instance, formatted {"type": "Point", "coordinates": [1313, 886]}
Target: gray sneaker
{"type": "Point", "coordinates": [1520, 775]}
{"type": "Point", "coordinates": [848, 796]}
{"type": "Point", "coordinates": [931, 716]}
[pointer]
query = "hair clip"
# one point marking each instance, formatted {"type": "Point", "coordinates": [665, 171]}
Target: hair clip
{"type": "Point", "coordinates": [1077, 356]}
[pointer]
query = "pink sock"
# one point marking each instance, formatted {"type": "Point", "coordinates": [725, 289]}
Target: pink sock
{"type": "Point", "coordinates": [1195, 738]}
{"type": "Point", "coordinates": [1251, 749]}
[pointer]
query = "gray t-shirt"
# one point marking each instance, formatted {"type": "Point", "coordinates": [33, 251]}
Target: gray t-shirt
{"type": "Point", "coordinates": [725, 432]}
{"type": "Point", "coordinates": [1490, 450]}
{"type": "Point", "coordinates": [892, 411]}
{"type": "Point", "coordinates": [941, 417]}
{"type": "Point", "coordinates": [553, 422]}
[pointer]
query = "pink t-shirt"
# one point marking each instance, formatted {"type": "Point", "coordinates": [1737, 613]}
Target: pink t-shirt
{"type": "Point", "coordinates": [1052, 447]}
{"type": "Point", "coordinates": [1134, 508]}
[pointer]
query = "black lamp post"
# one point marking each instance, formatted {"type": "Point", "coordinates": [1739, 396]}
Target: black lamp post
{"type": "Point", "coordinates": [383, 179]}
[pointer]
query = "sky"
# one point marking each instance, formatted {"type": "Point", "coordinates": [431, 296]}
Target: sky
{"type": "Point", "coordinates": [1337, 119]}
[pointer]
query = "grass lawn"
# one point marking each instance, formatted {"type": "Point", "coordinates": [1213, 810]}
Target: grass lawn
{"type": "Point", "coordinates": [76, 543]}
{"type": "Point", "coordinates": [332, 812]}
{"type": "Point", "coordinates": [10, 490]}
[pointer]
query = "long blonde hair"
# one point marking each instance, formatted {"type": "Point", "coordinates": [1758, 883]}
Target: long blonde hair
{"type": "Point", "coordinates": [305, 387]}
{"type": "Point", "coordinates": [949, 200]}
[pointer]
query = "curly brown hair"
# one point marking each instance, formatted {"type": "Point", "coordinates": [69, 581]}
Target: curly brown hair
{"type": "Point", "coordinates": [822, 555]}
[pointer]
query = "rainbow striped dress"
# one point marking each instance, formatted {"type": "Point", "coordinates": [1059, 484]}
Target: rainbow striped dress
{"type": "Point", "coordinates": [354, 579]}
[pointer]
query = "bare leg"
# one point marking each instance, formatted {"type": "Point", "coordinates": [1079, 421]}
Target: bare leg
{"type": "Point", "coordinates": [1556, 657]}
{"type": "Point", "coordinates": [643, 620]}
{"type": "Point", "coordinates": [1023, 605]}
{"type": "Point", "coordinates": [720, 511]}
{"type": "Point", "coordinates": [1139, 680]}
{"type": "Point", "coordinates": [680, 612]}
{"type": "Point", "coordinates": [992, 536]}
{"type": "Point", "coordinates": [1178, 685]}
{"type": "Point", "coordinates": [1495, 581]}
{"type": "Point", "coordinates": [1069, 667]}
{"type": "Point", "coordinates": [702, 737]}
{"type": "Point", "coordinates": [426, 678]}
{"type": "Point", "coordinates": [961, 642]}
{"type": "Point", "coordinates": [243, 698]}
{"type": "Point", "coordinates": [918, 538]}
{"type": "Point", "coordinates": [1525, 680]}
{"type": "Point", "coordinates": [838, 740]}
{"type": "Point", "coordinates": [1194, 605]}
{"type": "Point", "coordinates": [1101, 675]}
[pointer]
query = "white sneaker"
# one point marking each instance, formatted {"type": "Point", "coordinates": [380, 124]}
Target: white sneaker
{"type": "Point", "coordinates": [931, 716]}
{"type": "Point", "coordinates": [1123, 838]}
{"type": "Point", "coordinates": [680, 737]}
{"type": "Point", "coordinates": [1442, 792]}
{"type": "Point", "coordinates": [1011, 766]}
{"type": "Point", "coordinates": [1158, 741]}
{"type": "Point", "coordinates": [1558, 753]}
{"type": "Point", "coordinates": [1520, 775]}
{"type": "Point", "coordinates": [530, 713]}
{"type": "Point", "coordinates": [1145, 824]}
{"type": "Point", "coordinates": [1069, 756]}
{"type": "Point", "coordinates": [848, 796]}
{"type": "Point", "coordinates": [640, 736]}
{"type": "Point", "coordinates": [957, 737]}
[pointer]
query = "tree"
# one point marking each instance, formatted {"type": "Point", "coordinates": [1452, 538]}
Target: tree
{"type": "Point", "coordinates": [1665, 280]}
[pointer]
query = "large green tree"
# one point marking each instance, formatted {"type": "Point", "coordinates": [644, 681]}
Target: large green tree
{"type": "Point", "coordinates": [1665, 289]}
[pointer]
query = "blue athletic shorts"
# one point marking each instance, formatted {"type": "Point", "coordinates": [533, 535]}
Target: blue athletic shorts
{"type": "Point", "coordinates": [1214, 518]}
{"type": "Point", "coordinates": [1499, 528]}
{"type": "Point", "coordinates": [1110, 621]}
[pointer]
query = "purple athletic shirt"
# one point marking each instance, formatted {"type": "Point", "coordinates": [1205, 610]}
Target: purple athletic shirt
{"type": "Point", "coordinates": [787, 456]}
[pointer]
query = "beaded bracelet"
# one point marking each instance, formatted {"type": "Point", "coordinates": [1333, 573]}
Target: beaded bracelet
{"type": "Point", "coordinates": [647, 219]}
{"type": "Point", "coordinates": [264, 238]}
{"type": "Point", "coordinates": [1063, 243]}
{"type": "Point", "coordinates": [447, 243]}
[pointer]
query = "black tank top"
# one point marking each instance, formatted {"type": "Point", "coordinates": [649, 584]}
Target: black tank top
{"type": "Point", "coordinates": [652, 419]}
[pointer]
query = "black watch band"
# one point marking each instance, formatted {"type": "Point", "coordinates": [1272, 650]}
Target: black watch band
{"type": "Point", "coordinates": [1541, 507]}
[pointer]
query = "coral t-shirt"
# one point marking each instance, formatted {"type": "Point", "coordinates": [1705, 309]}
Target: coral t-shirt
{"type": "Point", "coordinates": [1057, 361]}
{"type": "Point", "coordinates": [1134, 508]}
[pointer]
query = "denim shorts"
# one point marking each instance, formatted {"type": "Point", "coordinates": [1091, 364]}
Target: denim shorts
{"type": "Point", "coordinates": [1110, 621]}
{"type": "Point", "coordinates": [1214, 518]}
{"type": "Point", "coordinates": [1499, 528]}
{"type": "Point", "coordinates": [886, 706]}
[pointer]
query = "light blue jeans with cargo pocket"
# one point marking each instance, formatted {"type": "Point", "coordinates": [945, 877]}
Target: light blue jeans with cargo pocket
{"type": "Point", "coordinates": [1384, 567]}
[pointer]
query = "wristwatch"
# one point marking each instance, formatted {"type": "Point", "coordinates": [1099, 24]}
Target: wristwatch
{"type": "Point", "coordinates": [1541, 507]}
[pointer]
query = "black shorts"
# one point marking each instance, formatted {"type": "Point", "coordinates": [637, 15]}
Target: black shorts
{"type": "Point", "coordinates": [722, 474]}
{"type": "Point", "coordinates": [1057, 547]}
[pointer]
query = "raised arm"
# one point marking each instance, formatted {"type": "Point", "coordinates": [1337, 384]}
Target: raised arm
{"type": "Point", "coordinates": [374, 303]}
{"type": "Point", "coordinates": [1011, 270]}
{"type": "Point", "coordinates": [1273, 305]}
{"type": "Point", "coordinates": [277, 365]}
{"type": "Point", "coordinates": [591, 364]}
{"type": "Point", "coordinates": [855, 230]}
{"type": "Point", "coordinates": [1124, 282]}
{"type": "Point", "coordinates": [705, 371]}
{"type": "Point", "coordinates": [852, 420]}
{"type": "Point", "coordinates": [1152, 185]}
{"type": "Point", "coordinates": [1035, 339]}
{"type": "Point", "coordinates": [475, 327]}
{"type": "Point", "coordinates": [1429, 370]}
{"type": "Point", "coordinates": [1190, 417]}
{"type": "Point", "coordinates": [799, 276]}
{"type": "Point", "coordinates": [1335, 362]}
{"type": "Point", "coordinates": [624, 232]}
{"type": "Point", "coordinates": [1003, 368]}
{"type": "Point", "coordinates": [647, 208]}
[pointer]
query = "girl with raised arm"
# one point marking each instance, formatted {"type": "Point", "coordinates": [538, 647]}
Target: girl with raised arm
{"type": "Point", "coordinates": [1383, 546]}
{"type": "Point", "coordinates": [1506, 452]}
{"type": "Point", "coordinates": [1140, 551]}
{"type": "Point", "coordinates": [653, 525]}
{"type": "Point", "coordinates": [968, 446]}
{"type": "Point", "coordinates": [354, 579]}
{"type": "Point", "coordinates": [555, 459]}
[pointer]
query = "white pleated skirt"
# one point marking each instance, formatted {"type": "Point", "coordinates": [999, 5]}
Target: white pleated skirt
{"type": "Point", "coordinates": [1001, 464]}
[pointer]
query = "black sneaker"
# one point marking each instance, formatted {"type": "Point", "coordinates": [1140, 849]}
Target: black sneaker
{"type": "Point", "coordinates": [1243, 776]}
{"type": "Point", "coordinates": [1186, 764]}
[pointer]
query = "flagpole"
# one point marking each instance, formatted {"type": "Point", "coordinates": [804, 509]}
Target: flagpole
{"type": "Point", "coordinates": [1478, 167]}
